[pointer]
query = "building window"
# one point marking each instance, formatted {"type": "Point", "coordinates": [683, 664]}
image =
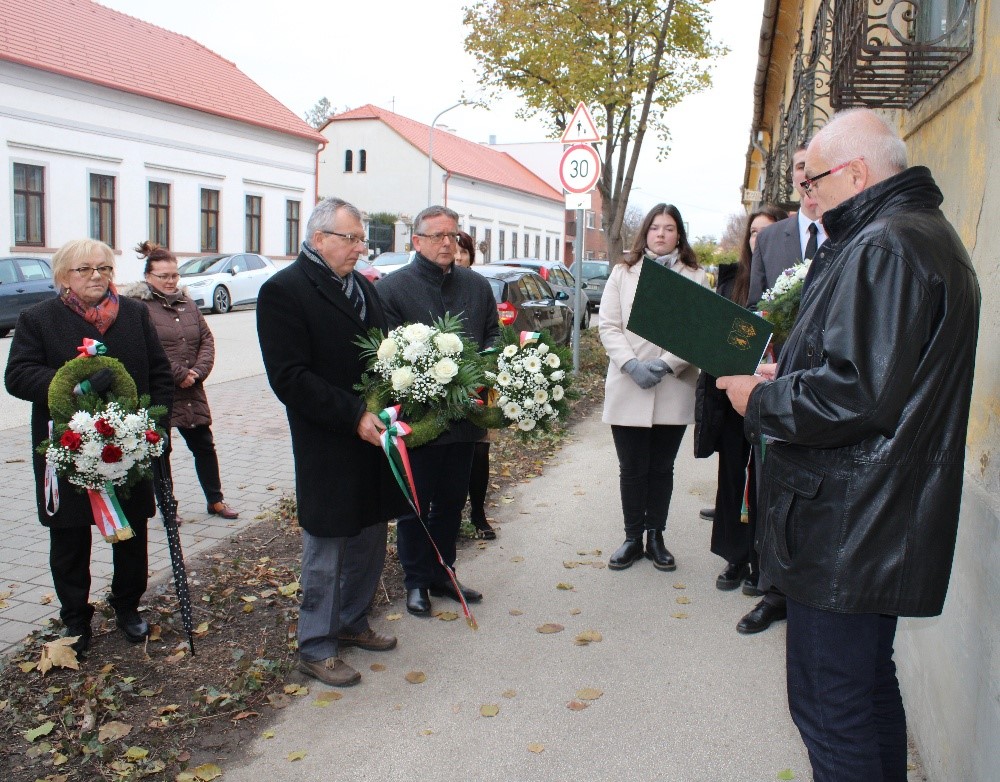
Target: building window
{"type": "Point", "coordinates": [210, 221]}
{"type": "Point", "coordinates": [362, 160]}
{"type": "Point", "coordinates": [348, 161]}
{"type": "Point", "coordinates": [159, 213]}
{"type": "Point", "coordinates": [503, 250]}
{"type": "Point", "coordinates": [538, 246]}
{"type": "Point", "coordinates": [527, 245]}
{"type": "Point", "coordinates": [591, 221]}
{"type": "Point", "coordinates": [487, 244]}
{"type": "Point", "coordinates": [29, 205]}
{"type": "Point", "coordinates": [292, 227]}
{"type": "Point", "coordinates": [253, 224]}
{"type": "Point", "coordinates": [513, 244]}
{"type": "Point", "coordinates": [472, 232]}
{"type": "Point", "coordinates": [548, 248]}
{"type": "Point", "coordinates": [102, 208]}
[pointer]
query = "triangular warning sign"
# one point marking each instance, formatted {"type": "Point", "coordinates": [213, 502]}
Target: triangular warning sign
{"type": "Point", "coordinates": [581, 128]}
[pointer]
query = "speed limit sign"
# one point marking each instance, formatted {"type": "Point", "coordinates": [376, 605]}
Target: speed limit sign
{"type": "Point", "coordinates": [580, 168]}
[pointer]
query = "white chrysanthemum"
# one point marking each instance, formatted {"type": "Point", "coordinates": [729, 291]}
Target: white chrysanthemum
{"type": "Point", "coordinates": [91, 449]}
{"type": "Point", "coordinates": [386, 350]}
{"type": "Point", "coordinates": [552, 360]}
{"type": "Point", "coordinates": [135, 422]}
{"type": "Point", "coordinates": [402, 378]}
{"type": "Point", "coordinates": [543, 349]}
{"type": "Point", "coordinates": [510, 351]}
{"type": "Point", "coordinates": [129, 443]}
{"type": "Point", "coordinates": [512, 410]}
{"type": "Point", "coordinates": [504, 379]}
{"type": "Point", "coordinates": [558, 375]}
{"type": "Point", "coordinates": [532, 364]}
{"type": "Point", "coordinates": [414, 351]}
{"type": "Point", "coordinates": [444, 370]}
{"type": "Point", "coordinates": [416, 332]}
{"type": "Point", "coordinates": [526, 425]}
{"type": "Point", "coordinates": [557, 393]}
{"type": "Point", "coordinates": [449, 344]}
{"type": "Point", "coordinates": [541, 395]}
{"type": "Point", "coordinates": [81, 422]}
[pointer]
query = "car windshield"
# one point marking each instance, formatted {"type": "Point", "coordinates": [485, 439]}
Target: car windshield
{"type": "Point", "coordinates": [592, 269]}
{"type": "Point", "coordinates": [390, 259]}
{"type": "Point", "coordinates": [209, 265]}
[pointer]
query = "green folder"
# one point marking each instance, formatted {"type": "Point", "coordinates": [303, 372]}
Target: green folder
{"type": "Point", "coordinates": [697, 324]}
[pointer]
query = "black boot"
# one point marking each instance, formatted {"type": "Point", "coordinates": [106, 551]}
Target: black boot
{"type": "Point", "coordinates": [656, 551]}
{"type": "Point", "coordinates": [627, 553]}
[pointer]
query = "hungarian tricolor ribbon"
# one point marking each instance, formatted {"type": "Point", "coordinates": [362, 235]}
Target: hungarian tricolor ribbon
{"type": "Point", "coordinates": [530, 336]}
{"type": "Point", "coordinates": [91, 347]}
{"type": "Point", "coordinates": [51, 484]}
{"type": "Point", "coordinates": [108, 514]}
{"type": "Point", "coordinates": [394, 447]}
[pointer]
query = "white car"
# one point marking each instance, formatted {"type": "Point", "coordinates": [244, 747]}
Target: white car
{"type": "Point", "coordinates": [389, 262]}
{"type": "Point", "coordinates": [221, 282]}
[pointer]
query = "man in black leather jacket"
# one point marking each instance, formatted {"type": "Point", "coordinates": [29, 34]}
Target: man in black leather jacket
{"type": "Point", "coordinates": [866, 419]}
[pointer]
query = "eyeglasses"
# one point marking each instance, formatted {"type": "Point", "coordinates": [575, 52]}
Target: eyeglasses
{"type": "Point", "coordinates": [438, 238]}
{"type": "Point", "coordinates": [166, 277]}
{"type": "Point", "coordinates": [809, 182]}
{"type": "Point", "coordinates": [351, 238]}
{"type": "Point", "coordinates": [88, 271]}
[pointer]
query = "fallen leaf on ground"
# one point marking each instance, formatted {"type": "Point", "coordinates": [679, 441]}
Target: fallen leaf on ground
{"type": "Point", "coordinates": [170, 709]}
{"type": "Point", "coordinates": [136, 753]}
{"type": "Point", "coordinates": [786, 774]}
{"type": "Point", "coordinates": [154, 633]}
{"type": "Point", "coordinates": [377, 667]}
{"type": "Point", "coordinates": [249, 598]}
{"type": "Point", "coordinates": [268, 593]}
{"type": "Point", "coordinates": [244, 715]}
{"type": "Point", "coordinates": [589, 694]}
{"type": "Point", "coordinates": [267, 734]}
{"type": "Point", "coordinates": [112, 731]}
{"type": "Point", "coordinates": [550, 627]}
{"type": "Point", "coordinates": [598, 565]}
{"type": "Point", "coordinates": [416, 677]}
{"type": "Point", "coordinates": [59, 653]}
{"type": "Point", "coordinates": [679, 615]}
{"type": "Point", "coordinates": [27, 667]}
{"type": "Point", "coordinates": [289, 589]}
{"type": "Point", "coordinates": [42, 730]}
{"type": "Point", "coordinates": [427, 732]}
{"type": "Point", "coordinates": [489, 710]}
{"type": "Point", "coordinates": [446, 616]}
{"type": "Point", "coordinates": [509, 693]}
{"type": "Point", "coordinates": [506, 500]}
{"type": "Point", "coordinates": [393, 617]}
{"type": "Point", "coordinates": [575, 705]}
{"type": "Point", "coordinates": [595, 553]}
{"type": "Point", "coordinates": [297, 755]}
{"type": "Point", "coordinates": [588, 636]}
{"type": "Point", "coordinates": [296, 689]}
{"type": "Point", "coordinates": [535, 747]}
{"type": "Point", "coordinates": [46, 598]}
{"type": "Point", "coordinates": [579, 492]}
{"type": "Point", "coordinates": [175, 657]}
{"type": "Point", "coordinates": [680, 585]}
{"type": "Point", "coordinates": [516, 612]}
{"type": "Point", "coordinates": [329, 695]}
{"type": "Point", "coordinates": [574, 611]}
{"type": "Point", "coordinates": [201, 629]}
{"type": "Point", "coordinates": [517, 559]}
{"type": "Point", "coordinates": [570, 564]}
{"type": "Point", "coordinates": [563, 585]}
{"type": "Point", "coordinates": [683, 600]}
{"type": "Point", "coordinates": [278, 700]}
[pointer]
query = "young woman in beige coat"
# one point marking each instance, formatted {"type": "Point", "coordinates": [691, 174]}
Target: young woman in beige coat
{"type": "Point", "coordinates": [649, 393]}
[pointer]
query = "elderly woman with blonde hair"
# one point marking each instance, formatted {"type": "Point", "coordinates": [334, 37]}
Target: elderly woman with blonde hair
{"type": "Point", "coordinates": [46, 337]}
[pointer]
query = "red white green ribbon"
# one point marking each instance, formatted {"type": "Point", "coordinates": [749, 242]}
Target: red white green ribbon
{"type": "Point", "coordinates": [91, 347]}
{"type": "Point", "coordinates": [108, 514]}
{"type": "Point", "coordinates": [394, 447]}
{"type": "Point", "coordinates": [530, 336]}
{"type": "Point", "coordinates": [51, 484]}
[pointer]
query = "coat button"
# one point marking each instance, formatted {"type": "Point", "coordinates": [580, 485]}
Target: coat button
{"type": "Point", "coordinates": [809, 352]}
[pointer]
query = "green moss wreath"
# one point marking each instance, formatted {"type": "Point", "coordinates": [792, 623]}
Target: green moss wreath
{"type": "Point", "coordinates": [63, 404]}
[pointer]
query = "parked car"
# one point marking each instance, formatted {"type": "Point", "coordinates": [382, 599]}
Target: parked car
{"type": "Point", "coordinates": [366, 269]}
{"type": "Point", "coordinates": [595, 274]}
{"type": "Point", "coordinates": [558, 277]}
{"type": "Point", "coordinates": [525, 302]}
{"type": "Point", "coordinates": [23, 281]}
{"type": "Point", "coordinates": [221, 282]}
{"type": "Point", "coordinates": [387, 263]}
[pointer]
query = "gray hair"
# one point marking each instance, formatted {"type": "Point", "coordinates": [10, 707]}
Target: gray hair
{"type": "Point", "coordinates": [432, 211]}
{"type": "Point", "coordinates": [76, 251]}
{"type": "Point", "coordinates": [324, 214]}
{"type": "Point", "coordinates": [857, 133]}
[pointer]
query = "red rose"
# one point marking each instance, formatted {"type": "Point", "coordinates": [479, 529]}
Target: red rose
{"type": "Point", "coordinates": [71, 440]}
{"type": "Point", "coordinates": [152, 437]}
{"type": "Point", "coordinates": [111, 454]}
{"type": "Point", "coordinates": [104, 428]}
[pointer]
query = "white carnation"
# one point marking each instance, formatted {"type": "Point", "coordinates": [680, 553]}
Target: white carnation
{"type": "Point", "coordinates": [81, 422]}
{"type": "Point", "coordinates": [558, 375]}
{"type": "Point", "coordinates": [416, 332]}
{"type": "Point", "coordinates": [402, 378]}
{"type": "Point", "coordinates": [557, 393]}
{"type": "Point", "coordinates": [444, 370]}
{"type": "Point", "coordinates": [387, 349]}
{"type": "Point", "coordinates": [449, 344]}
{"type": "Point", "coordinates": [542, 349]}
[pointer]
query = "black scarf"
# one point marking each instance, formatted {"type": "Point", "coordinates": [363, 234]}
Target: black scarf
{"type": "Point", "coordinates": [350, 286]}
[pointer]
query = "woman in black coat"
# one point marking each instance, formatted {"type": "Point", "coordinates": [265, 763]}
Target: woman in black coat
{"type": "Point", "coordinates": [46, 337]}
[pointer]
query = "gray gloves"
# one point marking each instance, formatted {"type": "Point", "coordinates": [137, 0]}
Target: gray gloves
{"type": "Point", "coordinates": [646, 374]}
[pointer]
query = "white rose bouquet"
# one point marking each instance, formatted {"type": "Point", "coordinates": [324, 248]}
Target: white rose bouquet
{"type": "Point", "coordinates": [531, 380]}
{"type": "Point", "coordinates": [431, 371]}
{"type": "Point", "coordinates": [779, 305]}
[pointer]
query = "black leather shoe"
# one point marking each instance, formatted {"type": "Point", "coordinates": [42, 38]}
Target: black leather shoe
{"type": "Point", "coordinates": [730, 578]}
{"type": "Point", "coordinates": [447, 590]}
{"type": "Point", "coordinates": [656, 551]}
{"type": "Point", "coordinates": [758, 620]}
{"type": "Point", "coordinates": [83, 633]}
{"type": "Point", "coordinates": [133, 626]}
{"type": "Point", "coordinates": [484, 531]}
{"type": "Point", "coordinates": [707, 513]}
{"type": "Point", "coordinates": [417, 602]}
{"type": "Point", "coordinates": [627, 553]}
{"type": "Point", "coordinates": [750, 588]}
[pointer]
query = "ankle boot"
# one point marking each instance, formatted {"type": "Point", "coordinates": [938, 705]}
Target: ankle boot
{"type": "Point", "coordinates": [656, 551]}
{"type": "Point", "coordinates": [627, 553]}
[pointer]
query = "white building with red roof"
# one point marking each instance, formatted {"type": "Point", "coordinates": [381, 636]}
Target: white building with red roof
{"type": "Point", "coordinates": [120, 130]}
{"type": "Point", "coordinates": [378, 161]}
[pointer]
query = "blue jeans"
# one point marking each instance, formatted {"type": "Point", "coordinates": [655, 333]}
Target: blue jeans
{"type": "Point", "coordinates": [844, 696]}
{"type": "Point", "coordinates": [441, 477]}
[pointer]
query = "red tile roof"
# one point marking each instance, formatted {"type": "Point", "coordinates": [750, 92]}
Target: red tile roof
{"type": "Point", "coordinates": [86, 41]}
{"type": "Point", "coordinates": [457, 155]}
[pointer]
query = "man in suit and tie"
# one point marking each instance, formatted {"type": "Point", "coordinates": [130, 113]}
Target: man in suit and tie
{"type": "Point", "coordinates": [779, 247]}
{"type": "Point", "coordinates": [787, 242]}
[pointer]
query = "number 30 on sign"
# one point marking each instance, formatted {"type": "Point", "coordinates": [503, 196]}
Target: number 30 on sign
{"type": "Point", "coordinates": [580, 168]}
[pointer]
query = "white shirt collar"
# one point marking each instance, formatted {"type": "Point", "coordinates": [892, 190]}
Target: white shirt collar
{"type": "Point", "coordinates": [804, 232]}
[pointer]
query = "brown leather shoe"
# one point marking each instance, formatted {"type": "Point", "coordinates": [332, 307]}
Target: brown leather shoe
{"type": "Point", "coordinates": [332, 671]}
{"type": "Point", "coordinates": [221, 509]}
{"type": "Point", "coordinates": [369, 639]}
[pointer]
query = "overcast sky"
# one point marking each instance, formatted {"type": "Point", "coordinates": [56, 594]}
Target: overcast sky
{"type": "Point", "coordinates": [410, 58]}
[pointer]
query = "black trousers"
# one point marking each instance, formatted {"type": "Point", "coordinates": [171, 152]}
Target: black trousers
{"type": "Point", "coordinates": [646, 473]}
{"type": "Point", "coordinates": [69, 560]}
{"type": "Point", "coordinates": [732, 539]}
{"type": "Point", "coordinates": [479, 479]}
{"type": "Point", "coordinates": [206, 462]}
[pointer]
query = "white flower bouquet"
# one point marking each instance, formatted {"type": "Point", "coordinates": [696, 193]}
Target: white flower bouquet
{"type": "Point", "coordinates": [531, 381]}
{"type": "Point", "coordinates": [779, 305]}
{"type": "Point", "coordinates": [431, 371]}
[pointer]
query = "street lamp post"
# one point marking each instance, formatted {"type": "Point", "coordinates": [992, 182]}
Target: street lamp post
{"type": "Point", "coordinates": [430, 145]}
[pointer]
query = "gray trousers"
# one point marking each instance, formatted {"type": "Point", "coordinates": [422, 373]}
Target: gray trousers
{"type": "Point", "coordinates": [339, 578]}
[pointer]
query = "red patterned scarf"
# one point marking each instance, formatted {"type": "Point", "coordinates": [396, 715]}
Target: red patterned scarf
{"type": "Point", "coordinates": [100, 315]}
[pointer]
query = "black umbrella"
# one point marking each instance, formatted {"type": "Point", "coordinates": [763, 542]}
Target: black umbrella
{"type": "Point", "coordinates": [163, 487]}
